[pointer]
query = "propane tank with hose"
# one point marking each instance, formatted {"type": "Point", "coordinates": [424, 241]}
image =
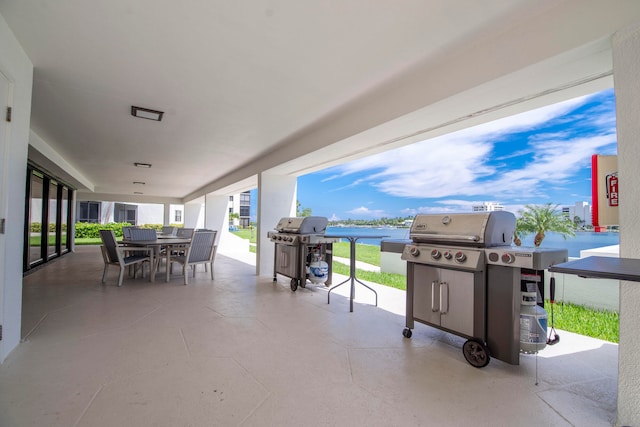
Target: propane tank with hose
{"type": "Point", "coordinates": [318, 270]}
{"type": "Point", "coordinates": [533, 324]}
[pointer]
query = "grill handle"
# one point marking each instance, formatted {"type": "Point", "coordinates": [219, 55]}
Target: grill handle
{"type": "Point", "coordinates": [434, 296]}
{"type": "Point", "coordinates": [444, 298]}
{"type": "Point", "coordinates": [445, 237]}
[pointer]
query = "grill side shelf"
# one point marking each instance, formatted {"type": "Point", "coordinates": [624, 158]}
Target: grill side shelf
{"type": "Point", "coordinates": [597, 267]}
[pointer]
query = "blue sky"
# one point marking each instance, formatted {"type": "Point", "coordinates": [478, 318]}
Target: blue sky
{"type": "Point", "coordinates": [541, 156]}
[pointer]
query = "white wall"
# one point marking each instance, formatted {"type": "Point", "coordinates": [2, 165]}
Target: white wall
{"type": "Point", "coordinates": [17, 67]}
{"type": "Point", "coordinates": [194, 213]}
{"type": "Point", "coordinates": [150, 214]}
{"type": "Point", "coordinates": [626, 74]}
{"type": "Point", "coordinates": [276, 199]}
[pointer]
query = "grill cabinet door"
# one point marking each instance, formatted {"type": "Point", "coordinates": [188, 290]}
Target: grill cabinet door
{"type": "Point", "coordinates": [458, 293]}
{"type": "Point", "coordinates": [287, 260]}
{"type": "Point", "coordinates": [426, 294]}
{"type": "Point", "coordinates": [444, 298]}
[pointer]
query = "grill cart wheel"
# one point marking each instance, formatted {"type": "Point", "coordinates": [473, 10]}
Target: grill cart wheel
{"type": "Point", "coordinates": [476, 353]}
{"type": "Point", "coordinates": [294, 284]}
{"type": "Point", "coordinates": [406, 333]}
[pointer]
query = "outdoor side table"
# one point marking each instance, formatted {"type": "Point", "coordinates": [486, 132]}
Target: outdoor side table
{"type": "Point", "coordinates": [353, 238]}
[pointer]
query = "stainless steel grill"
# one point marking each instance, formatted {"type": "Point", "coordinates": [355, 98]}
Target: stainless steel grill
{"type": "Point", "coordinates": [464, 277]}
{"type": "Point", "coordinates": [297, 240]}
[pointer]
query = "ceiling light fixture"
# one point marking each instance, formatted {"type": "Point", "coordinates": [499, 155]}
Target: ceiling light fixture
{"type": "Point", "coordinates": [145, 113]}
{"type": "Point", "coordinates": [139, 182]}
{"type": "Point", "coordinates": [142, 165]}
{"type": "Point", "coordinates": [137, 192]}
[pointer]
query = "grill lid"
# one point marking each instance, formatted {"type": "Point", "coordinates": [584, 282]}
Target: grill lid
{"type": "Point", "coordinates": [479, 229]}
{"type": "Point", "coordinates": [303, 225]}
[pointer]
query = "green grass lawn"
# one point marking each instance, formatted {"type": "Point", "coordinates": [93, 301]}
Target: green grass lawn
{"type": "Point", "coordinates": [365, 253]}
{"type": "Point", "coordinates": [601, 324]}
{"type": "Point", "coordinates": [249, 234]}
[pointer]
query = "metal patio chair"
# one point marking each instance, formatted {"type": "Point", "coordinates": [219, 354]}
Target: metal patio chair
{"type": "Point", "coordinates": [185, 233]}
{"type": "Point", "coordinates": [169, 230]}
{"type": "Point", "coordinates": [122, 257]}
{"type": "Point", "coordinates": [201, 250]}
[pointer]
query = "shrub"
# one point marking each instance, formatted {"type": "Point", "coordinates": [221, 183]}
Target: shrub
{"type": "Point", "coordinates": [89, 230]}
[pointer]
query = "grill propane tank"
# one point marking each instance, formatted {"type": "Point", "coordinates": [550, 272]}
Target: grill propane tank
{"type": "Point", "coordinates": [533, 324]}
{"type": "Point", "coordinates": [318, 270]}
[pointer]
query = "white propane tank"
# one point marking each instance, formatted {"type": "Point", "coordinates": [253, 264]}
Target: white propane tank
{"type": "Point", "coordinates": [318, 270]}
{"type": "Point", "coordinates": [533, 324]}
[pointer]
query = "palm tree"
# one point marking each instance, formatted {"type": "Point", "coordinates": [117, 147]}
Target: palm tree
{"type": "Point", "coordinates": [540, 219]}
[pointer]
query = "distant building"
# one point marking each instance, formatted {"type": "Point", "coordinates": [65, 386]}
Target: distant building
{"type": "Point", "coordinates": [240, 204]}
{"type": "Point", "coordinates": [488, 207]}
{"type": "Point", "coordinates": [581, 210]}
{"type": "Point", "coordinates": [133, 213]}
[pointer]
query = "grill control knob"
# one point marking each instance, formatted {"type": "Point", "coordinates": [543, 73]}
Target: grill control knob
{"type": "Point", "coordinates": [435, 254]}
{"type": "Point", "coordinates": [414, 251]}
{"type": "Point", "coordinates": [447, 255]}
{"type": "Point", "coordinates": [508, 258]}
{"type": "Point", "coordinates": [460, 257]}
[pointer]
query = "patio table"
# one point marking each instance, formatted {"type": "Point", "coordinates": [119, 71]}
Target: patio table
{"type": "Point", "coordinates": [157, 245]}
{"type": "Point", "coordinates": [353, 238]}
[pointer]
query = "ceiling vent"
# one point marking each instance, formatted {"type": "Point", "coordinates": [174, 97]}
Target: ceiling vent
{"type": "Point", "coordinates": [145, 113]}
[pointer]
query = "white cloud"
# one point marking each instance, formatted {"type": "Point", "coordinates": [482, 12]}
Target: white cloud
{"type": "Point", "coordinates": [457, 164]}
{"type": "Point", "coordinates": [368, 213]}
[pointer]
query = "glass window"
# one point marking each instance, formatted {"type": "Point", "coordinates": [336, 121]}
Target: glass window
{"type": "Point", "coordinates": [244, 210]}
{"type": "Point", "coordinates": [89, 212]}
{"type": "Point", "coordinates": [52, 220]}
{"type": "Point", "coordinates": [47, 219]}
{"type": "Point", "coordinates": [64, 220]}
{"type": "Point", "coordinates": [178, 217]}
{"type": "Point", "coordinates": [35, 218]}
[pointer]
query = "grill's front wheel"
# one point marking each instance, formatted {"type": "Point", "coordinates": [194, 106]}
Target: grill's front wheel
{"type": "Point", "coordinates": [294, 284]}
{"type": "Point", "coordinates": [476, 353]}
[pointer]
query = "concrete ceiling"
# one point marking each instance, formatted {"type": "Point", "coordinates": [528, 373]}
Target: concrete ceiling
{"type": "Point", "coordinates": [286, 85]}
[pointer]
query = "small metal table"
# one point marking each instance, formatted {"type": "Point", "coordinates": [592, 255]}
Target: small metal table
{"type": "Point", "coordinates": [353, 238]}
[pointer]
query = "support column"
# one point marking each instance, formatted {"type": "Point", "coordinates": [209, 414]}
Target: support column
{"type": "Point", "coordinates": [626, 74]}
{"type": "Point", "coordinates": [194, 213]}
{"type": "Point", "coordinates": [166, 215]}
{"type": "Point", "coordinates": [217, 214]}
{"type": "Point", "coordinates": [276, 199]}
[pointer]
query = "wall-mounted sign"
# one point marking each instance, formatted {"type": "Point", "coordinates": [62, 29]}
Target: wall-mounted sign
{"type": "Point", "coordinates": [604, 190]}
{"type": "Point", "coordinates": [612, 188]}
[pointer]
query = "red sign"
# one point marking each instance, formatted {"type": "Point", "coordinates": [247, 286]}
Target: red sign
{"type": "Point", "coordinates": [612, 189]}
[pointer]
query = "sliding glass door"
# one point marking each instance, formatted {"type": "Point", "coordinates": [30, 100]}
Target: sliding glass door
{"type": "Point", "coordinates": [48, 215]}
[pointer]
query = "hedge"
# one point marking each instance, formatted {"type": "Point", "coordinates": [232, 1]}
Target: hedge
{"type": "Point", "coordinates": [89, 230]}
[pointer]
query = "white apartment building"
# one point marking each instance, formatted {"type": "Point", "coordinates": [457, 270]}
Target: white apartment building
{"type": "Point", "coordinates": [581, 210]}
{"type": "Point", "coordinates": [487, 207]}
{"type": "Point", "coordinates": [240, 204]}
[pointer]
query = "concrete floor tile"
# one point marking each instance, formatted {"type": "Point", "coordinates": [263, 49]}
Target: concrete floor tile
{"type": "Point", "coordinates": [245, 350]}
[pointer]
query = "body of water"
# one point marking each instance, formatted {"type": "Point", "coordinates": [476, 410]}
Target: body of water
{"type": "Point", "coordinates": [582, 240]}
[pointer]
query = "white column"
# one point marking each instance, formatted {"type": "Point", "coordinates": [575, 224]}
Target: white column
{"type": "Point", "coordinates": [276, 199]}
{"type": "Point", "coordinates": [626, 74]}
{"type": "Point", "coordinates": [166, 216]}
{"type": "Point", "coordinates": [194, 213]}
{"type": "Point", "coordinates": [217, 214]}
{"type": "Point", "coordinates": [14, 143]}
